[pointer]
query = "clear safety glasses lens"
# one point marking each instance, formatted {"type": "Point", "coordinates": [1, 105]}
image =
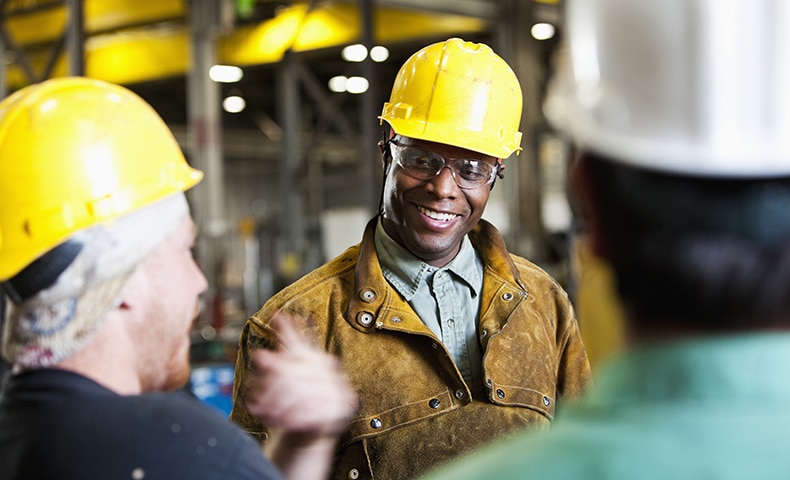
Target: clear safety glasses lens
{"type": "Point", "coordinates": [423, 164]}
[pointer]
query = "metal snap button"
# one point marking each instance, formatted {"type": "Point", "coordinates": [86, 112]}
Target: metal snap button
{"type": "Point", "coordinates": [367, 295]}
{"type": "Point", "coordinates": [365, 318]}
{"type": "Point", "coordinates": [375, 423]}
{"type": "Point", "coordinates": [459, 394]}
{"type": "Point", "coordinates": [396, 319]}
{"type": "Point", "coordinates": [435, 345]}
{"type": "Point", "coordinates": [546, 401]}
{"type": "Point", "coordinates": [507, 296]}
{"type": "Point", "coordinates": [434, 403]}
{"type": "Point", "coordinates": [483, 334]}
{"type": "Point", "coordinates": [500, 393]}
{"type": "Point", "coordinates": [353, 474]}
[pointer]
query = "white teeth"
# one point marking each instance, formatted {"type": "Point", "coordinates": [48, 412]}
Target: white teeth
{"type": "Point", "coordinates": [443, 217]}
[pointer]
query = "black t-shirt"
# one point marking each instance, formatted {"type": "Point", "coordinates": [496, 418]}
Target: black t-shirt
{"type": "Point", "coordinates": [56, 424]}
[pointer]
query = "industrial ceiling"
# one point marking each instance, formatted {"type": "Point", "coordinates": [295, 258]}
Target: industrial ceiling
{"type": "Point", "coordinates": [149, 46]}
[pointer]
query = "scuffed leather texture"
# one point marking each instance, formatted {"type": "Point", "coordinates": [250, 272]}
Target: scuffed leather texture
{"type": "Point", "coordinates": [416, 411]}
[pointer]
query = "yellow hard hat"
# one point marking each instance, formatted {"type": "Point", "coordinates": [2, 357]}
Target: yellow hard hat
{"type": "Point", "coordinates": [75, 152]}
{"type": "Point", "coordinates": [457, 93]}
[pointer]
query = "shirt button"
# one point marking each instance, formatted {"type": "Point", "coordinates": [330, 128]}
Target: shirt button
{"type": "Point", "coordinates": [434, 403]}
{"type": "Point", "coordinates": [353, 474]}
{"type": "Point", "coordinates": [500, 393]}
{"type": "Point", "coordinates": [375, 423]}
{"type": "Point", "coordinates": [367, 295]}
{"type": "Point", "coordinates": [365, 318]}
{"type": "Point", "coordinates": [459, 393]}
{"type": "Point", "coordinates": [450, 322]}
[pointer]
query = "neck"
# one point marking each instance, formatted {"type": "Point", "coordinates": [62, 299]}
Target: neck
{"type": "Point", "coordinates": [107, 359]}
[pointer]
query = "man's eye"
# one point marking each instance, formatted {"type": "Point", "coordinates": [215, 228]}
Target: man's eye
{"type": "Point", "coordinates": [472, 173]}
{"type": "Point", "coordinates": [421, 160]}
{"type": "Point", "coordinates": [473, 170]}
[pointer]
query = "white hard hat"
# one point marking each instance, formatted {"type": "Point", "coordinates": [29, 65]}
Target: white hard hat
{"type": "Point", "coordinates": [693, 87]}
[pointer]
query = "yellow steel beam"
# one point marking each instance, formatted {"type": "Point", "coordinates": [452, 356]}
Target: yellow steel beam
{"type": "Point", "coordinates": [141, 54]}
{"type": "Point", "coordinates": [103, 15]}
{"type": "Point", "coordinates": [138, 56]}
{"type": "Point", "coordinates": [47, 24]}
{"type": "Point", "coordinates": [331, 25]}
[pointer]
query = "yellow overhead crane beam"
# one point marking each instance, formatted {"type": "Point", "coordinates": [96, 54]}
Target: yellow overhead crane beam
{"type": "Point", "coordinates": [43, 24]}
{"type": "Point", "coordinates": [131, 41]}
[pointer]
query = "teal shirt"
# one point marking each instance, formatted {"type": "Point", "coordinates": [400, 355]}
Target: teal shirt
{"type": "Point", "coordinates": [446, 299]}
{"type": "Point", "coordinates": [715, 408]}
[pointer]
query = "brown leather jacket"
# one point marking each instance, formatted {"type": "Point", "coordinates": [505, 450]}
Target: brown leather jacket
{"type": "Point", "coordinates": [416, 411]}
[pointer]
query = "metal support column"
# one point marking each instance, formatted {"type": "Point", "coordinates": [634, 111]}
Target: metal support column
{"type": "Point", "coordinates": [75, 37]}
{"type": "Point", "coordinates": [522, 178]}
{"type": "Point", "coordinates": [72, 39]}
{"type": "Point", "coordinates": [291, 213]}
{"type": "Point", "coordinates": [369, 153]}
{"type": "Point", "coordinates": [205, 149]}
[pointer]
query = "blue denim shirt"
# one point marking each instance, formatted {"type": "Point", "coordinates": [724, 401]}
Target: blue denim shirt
{"type": "Point", "coordinates": [446, 299]}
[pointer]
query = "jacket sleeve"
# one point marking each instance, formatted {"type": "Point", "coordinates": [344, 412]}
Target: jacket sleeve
{"type": "Point", "coordinates": [254, 335]}
{"type": "Point", "coordinates": [574, 374]}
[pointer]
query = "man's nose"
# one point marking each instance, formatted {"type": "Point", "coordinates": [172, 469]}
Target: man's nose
{"type": "Point", "coordinates": [444, 182]}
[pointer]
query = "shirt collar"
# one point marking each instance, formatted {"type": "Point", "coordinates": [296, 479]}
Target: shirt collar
{"type": "Point", "coordinates": [405, 272]}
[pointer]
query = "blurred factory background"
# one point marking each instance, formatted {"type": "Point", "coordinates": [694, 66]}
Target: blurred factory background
{"type": "Point", "coordinates": [277, 100]}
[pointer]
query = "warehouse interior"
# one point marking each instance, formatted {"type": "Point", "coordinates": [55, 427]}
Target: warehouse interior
{"type": "Point", "coordinates": [292, 167]}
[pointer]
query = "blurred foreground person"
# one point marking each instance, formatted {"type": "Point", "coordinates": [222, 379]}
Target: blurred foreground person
{"type": "Point", "coordinates": [680, 114]}
{"type": "Point", "coordinates": [96, 262]}
{"type": "Point", "coordinates": [450, 340]}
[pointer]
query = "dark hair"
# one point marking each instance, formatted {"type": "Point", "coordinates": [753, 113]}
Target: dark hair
{"type": "Point", "coordinates": [709, 253]}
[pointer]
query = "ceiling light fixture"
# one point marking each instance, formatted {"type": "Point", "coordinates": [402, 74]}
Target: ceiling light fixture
{"type": "Point", "coordinates": [542, 31]}
{"type": "Point", "coordinates": [225, 73]}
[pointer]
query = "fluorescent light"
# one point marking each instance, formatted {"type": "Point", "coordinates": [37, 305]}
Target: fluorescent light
{"type": "Point", "coordinates": [542, 31]}
{"type": "Point", "coordinates": [357, 85]}
{"type": "Point", "coordinates": [234, 104]}
{"type": "Point", "coordinates": [354, 53]}
{"type": "Point", "coordinates": [225, 73]}
{"type": "Point", "coordinates": [338, 83]}
{"type": "Point", "coordinates": [379, 53]}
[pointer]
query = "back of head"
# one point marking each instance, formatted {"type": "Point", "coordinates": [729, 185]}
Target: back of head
{"type": "Point", "coordinates": [681, 111]}
{"type": "Point", "coordinates": [457, 93]}
{"type": "Point", "coordinates": [92, 179]}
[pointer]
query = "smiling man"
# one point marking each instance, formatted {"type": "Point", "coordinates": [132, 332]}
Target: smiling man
{"type": "Point", "coordinates": [449, 339]}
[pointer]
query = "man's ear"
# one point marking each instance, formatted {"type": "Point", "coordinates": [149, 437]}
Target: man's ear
{"type": "Point", "coordinates": [585, 201]}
